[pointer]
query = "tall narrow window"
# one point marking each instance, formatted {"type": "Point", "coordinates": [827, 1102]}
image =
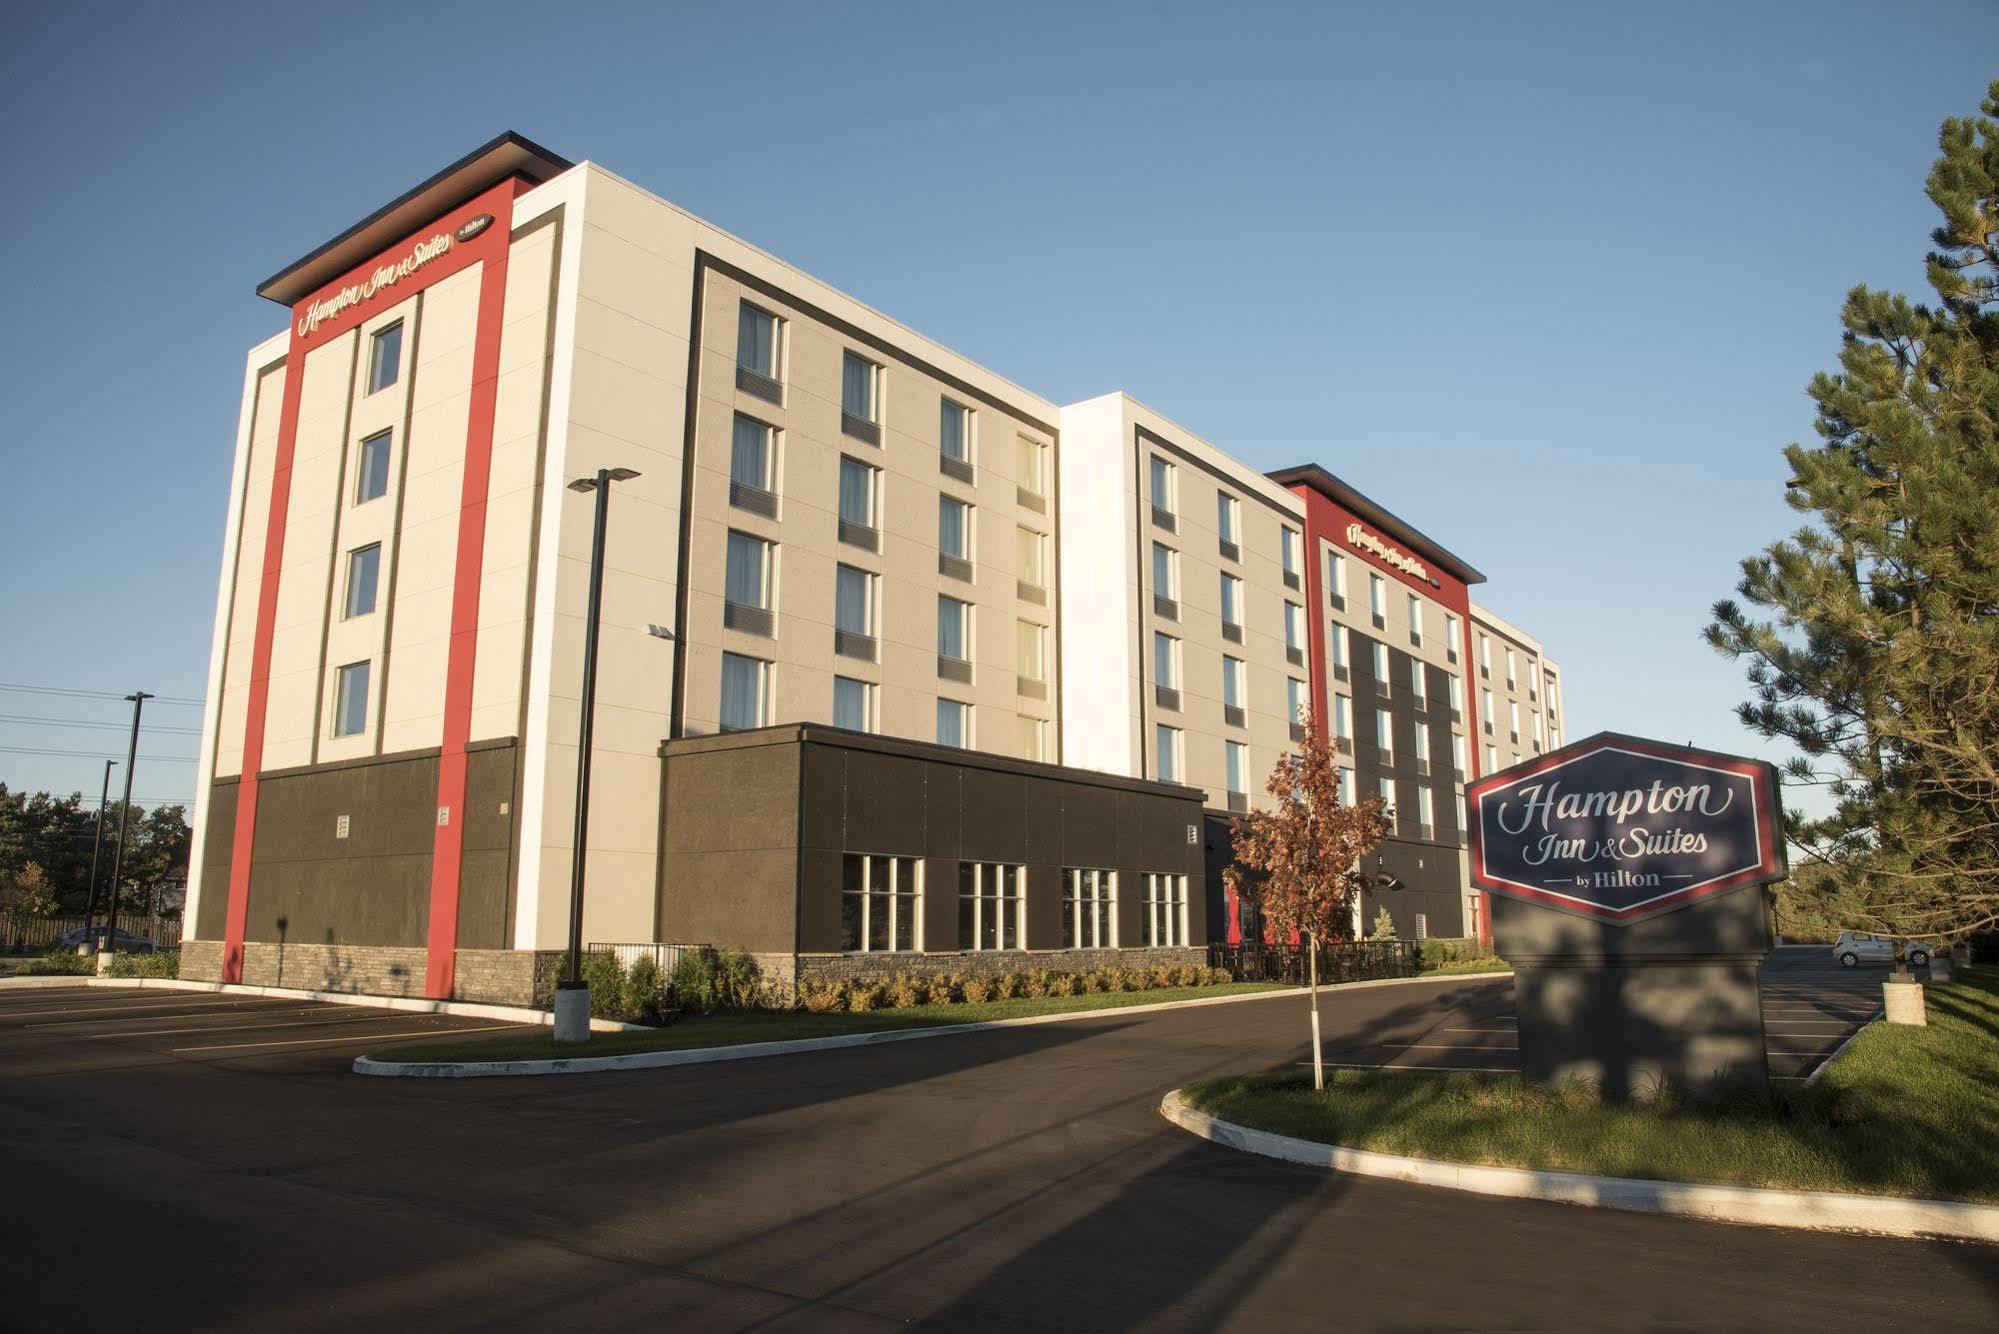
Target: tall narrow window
{"type": "Point", "coordinates": [1458, 754]}
{"type": "Point", "coordinates": [1342, 653]}
{"type": "Point", "coordinates": [1342, 718]}
{"type": "Point", "coordinates": [1384, 735]}
{"type": "Point", "coordinates": [1422, 745]}
{"type": "Point", "coordinates": [756, 340]}
{"type": "Point", "coordinates": [1509, 669]}
{"type": "Point", "coordinates": [954, 528]}
{"type": "Point", "coordinates": [1513, 718]}
{"type": "Point", "coordinates": [853, 704]}
{"type": "Point", "coordinates": [1457, 697]}
{"type": "Point", "coordinates": [1162, 485]}
{"type": "Point", "coordinates": [1165, 661]}
{"type": "Point", "coordinates": [1164, 582]}
{"type": "Point", "coordinates": [745, 692]}
{"type": "Point", "coordinates": [1167, 741]}
{"type": "Point", "coordinates": [1033, 738]}
{"type": "Point", "coordinates": [1336, 578]}
{"type": "Point", "coordinates": [1384, 787]}
{"type": "Point", "coordinates": [372, 479]}
{"type": "Point", "coordinates": [1231, 600]}
{"type": "Point", "coordinates": [1381, 667]}
{"type": "Point", "coordinates": [1377, 596]}
{"type": "Point", "coordinates": [1485, 709]}
{"type": "Point", "coordinates": [1415, 619]}
{"type": "Point", "coordinates": [350, 700]}
{"type": "Point", "coordinates": [1348, 796]}
{"type": "Point", "coordinates": [1165, 912]}
{"type": "Point", "coordinates": [1491, 758]}
{"type": "Point", "coordinates": [954, 431]}
{"type": "Point", "coordinates": [385, 357]}
{"type": "Point", "coordinates": [1234, 687]}
{"type": "Point", "coordinates": [954, 629]}
{"type": "Point", "coordinates": [1416, 673]}
{"type": "Point", "coordinates": [750, 455]}
{"type": "Point", "coordinates": [1426, 811]}
{"type": "Point", "coordinates": [1089, 909]}
{"type": "Point", "coordinates": [859, 380]}
{"type": "Point", "coordinates": [1030, 651]}
{"type": "Point", "coordinates": [1485, 653]}
{"type": "Point", "coordinates": [1031, 557]}
{"type": "Point", "coordinates": [881, 902]}
{"type": "Point", "coordinates": [858, 485]}
{"type": "Point", "coordinates": [1030, 462]}
{"type": "Point", "coordinates": [1450, 636]}
{"type": "Point", "coordinates": [747, 579]}
{"type": "Point", "coordinates": [853, 612]}
{"type": "Point", "coordinates": [990, 903]}
{"type": "Point", "coordinates": [363, 569]}
{"type": "Point", "coordinates": [1237, 774]}
{"type": "Point", "coordinates": [1294, 560]}
{"type": "Point", "coordinates": [954, 724]}
{"type": "Point", "coordinates": [1294, 700]}
{"type": "Point", "coordinates": [1294, 632]}
{"type": "Point", "coordinates": [1226, 510]}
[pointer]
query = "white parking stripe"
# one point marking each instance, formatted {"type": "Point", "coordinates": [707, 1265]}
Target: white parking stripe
{"type": "Point", "coordinates": [154, 1016]}
{"type": "Point", "coordinates": [365, 1037]}
{"type": "Point", "coordinates": [200, 1002]}
{"type": "Point", "coordinates": [235, 1028]}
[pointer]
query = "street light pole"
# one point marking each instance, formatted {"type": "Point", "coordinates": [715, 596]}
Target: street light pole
{"type": "Point", "coordinates": [96, 845]}
{"type": "Point", "coordinates": [572, 995]}
{"type": "Point", "coordinates": [138, 698]}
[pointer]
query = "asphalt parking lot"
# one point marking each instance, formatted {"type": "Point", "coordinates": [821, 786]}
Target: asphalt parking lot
{"type": "Point", "coordinates": [1810, 1006]}
{"type": "Point", "coordinates": [83, 1027]}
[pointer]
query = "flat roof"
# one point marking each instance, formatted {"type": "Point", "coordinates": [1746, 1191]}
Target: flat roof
{"type": "Point", "coordinates": [484, 167]}
{"type": "Point", "coordinates": [1312, 475]}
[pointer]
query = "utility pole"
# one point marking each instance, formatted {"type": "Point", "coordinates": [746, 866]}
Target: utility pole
{"type": "Point", "coordinates": [138, 698]}
{"type": "Point", "coordinates": [96, 845]}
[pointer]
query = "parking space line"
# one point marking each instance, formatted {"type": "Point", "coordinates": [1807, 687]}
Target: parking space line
{"type": "Point", "coordinates": [365, 1037]}
{"type": "Point", "coordinates": [154, 1016]}
{"type": "Point", "coordinates": [132, 1007]}
{"type": "Point", "coordinates": [1435, 1046]}
{"type": "Point", "coordinates": [237, 1028]}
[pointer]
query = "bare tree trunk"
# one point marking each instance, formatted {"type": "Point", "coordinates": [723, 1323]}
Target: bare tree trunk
{"type": "Point", "coordinates": [1318, 1057]}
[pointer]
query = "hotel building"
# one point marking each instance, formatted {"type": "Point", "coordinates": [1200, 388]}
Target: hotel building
{"type": "Point", "coordinates": [901, 665]}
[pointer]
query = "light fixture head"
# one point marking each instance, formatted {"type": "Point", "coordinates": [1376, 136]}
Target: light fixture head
{"type": "Point", "coordinates": [623, 474]}
{"type": "Point", "coordinates": [584, 484]}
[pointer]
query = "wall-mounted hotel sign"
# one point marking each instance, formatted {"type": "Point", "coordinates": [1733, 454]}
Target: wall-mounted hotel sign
{"type": "Point", "coordinates": [1360, 539]}
{"type": "Point", "coordinates": [382, 276]}
{"type": "Point", "coordinates": [1619, 829]}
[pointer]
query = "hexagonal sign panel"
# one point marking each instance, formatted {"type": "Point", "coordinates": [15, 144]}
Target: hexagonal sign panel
{"type": "Point", "coordinates": [1618, 828]}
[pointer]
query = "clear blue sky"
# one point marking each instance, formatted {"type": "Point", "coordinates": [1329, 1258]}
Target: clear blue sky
{"type": "Point", "coordinates": [1548, 280]}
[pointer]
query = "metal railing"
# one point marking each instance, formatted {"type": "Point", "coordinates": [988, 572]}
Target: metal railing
{"type": "Point", "coordinates": [1349, 961]}
{"type": "Point", "coordinates": [664, 957]}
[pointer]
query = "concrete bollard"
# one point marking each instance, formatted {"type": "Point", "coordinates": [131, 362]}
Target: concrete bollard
{"type": "Point", "coordinates": [1902, 996]}
{"type": "Point", "coordinates": [104, 964]}
{"type": "Point", "coordinates": [572, 1012]}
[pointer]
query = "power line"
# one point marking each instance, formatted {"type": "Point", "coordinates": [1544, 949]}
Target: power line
{"type": "Point", "coordinates": [93, 755]}
{"type": "Point", "coordinates": [82, 722]}
{"type": "Point", "coordinates": [72, 693]}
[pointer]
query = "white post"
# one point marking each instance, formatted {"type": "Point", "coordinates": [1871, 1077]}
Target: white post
{"type": "Point", "coordinates": [1318, 1055]}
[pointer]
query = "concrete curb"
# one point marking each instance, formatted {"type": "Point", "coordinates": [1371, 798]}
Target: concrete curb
{"type": "Point", "coordinates": [417, 1005]}
{"type": "Point", "coordinates": [1812, 1210]}
{"type": "Point", "coordinates": [652, 1060]}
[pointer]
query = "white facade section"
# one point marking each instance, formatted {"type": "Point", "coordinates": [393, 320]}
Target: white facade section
{"type": "Point", "coordinates": [1097, 518]}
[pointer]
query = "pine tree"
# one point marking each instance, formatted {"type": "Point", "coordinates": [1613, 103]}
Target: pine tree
{"type": "Point", "coordinates": [1880, 660]}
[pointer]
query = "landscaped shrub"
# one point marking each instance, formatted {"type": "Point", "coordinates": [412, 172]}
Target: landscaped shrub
{"type": "Point", "coordinates": [1162, 976]}
{"type": "Point", "coordinates": [160, 963]}
{"type": "Point", "coordinates": [606, 979]}
{"type": "Point", "coordinates": [1183, 975]}
{"type": "Point", "coordinates": [904, 992]}
{"type": "Point", "coordinates": [864, 994]}
{"type": "Point", "coordinates": [63, 960]}
{"type": "Point", "coordinates": [693, 986]}
{"type": "Point", "coordinates": [1215, 977]}
{"type": "Point", "coordinates": [941, 989]}
{"type": "Point", "coordinates": [819, 996]}
{"type": "Point", "coordinates": [735, 980]}
{"type": "Point", "coordinates": [976, 989]}
{"type": "Point", "coordinates": [1006, 986]}
{"type": "Point", "coordinates": [1061, 984]}
{"type": "Point", "coordinates": [1442, 953]}
{"type": "Point", "coordinates": [1034, 983]}
{"type": "Point", "coordinates": [645, 992]}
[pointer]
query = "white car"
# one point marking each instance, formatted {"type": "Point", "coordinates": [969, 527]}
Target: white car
{"type": "Point", "coordinates": [1854, 948]}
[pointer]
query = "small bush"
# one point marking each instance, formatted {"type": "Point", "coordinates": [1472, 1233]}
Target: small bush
{"type": "Point", "coordinates": [1183, 975]}
{"type": "Point", "coordinates": [1115, 977]}
{"type": "Point", "coordinates": [1061, 984]}
{"type": "Point", "coordinates": [1442, 953]}
{"type": "Point", "coordinates": [1034, 983]}
{"type": "Point", "coordinates": [976, 989]}
{"type": "Point", "coordinates": [1006, 986]}
{"type": "Point", "coordinates": [940, 989]}
{"type": "Point", "coordinates": [694, 985]}
{"type": "Point", "coordinates": [605, 977]}
{"type": "Point", "coordinates": [735, 980]}
{"type": "Point", "coordinates": [819, 997]}
{"type": "Point", "coordinates": [903, 992]}
{"type": "Point", "coordinates": [1215, 977]}
{"type": "Point", "coordinates": [1162, 976]}
{"type": "Point", "coordinates": [160, 963]}
{"type": "Point", "coordinates": [63, 961]}
{"type": "Point", "coordinates": [645, 992]}
{"type": "Point", "coordinates": [863, 994]}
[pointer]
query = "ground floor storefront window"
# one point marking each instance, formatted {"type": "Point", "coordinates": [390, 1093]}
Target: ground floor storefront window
{"type": "Point", "coordinates": [990, 906]}
{"type": "Point", "coordinates": [881, 902]}
{"type": "Point", "coordinates": [1165, 914]}
{"type": "Point", "coordinates": [1089, 909]}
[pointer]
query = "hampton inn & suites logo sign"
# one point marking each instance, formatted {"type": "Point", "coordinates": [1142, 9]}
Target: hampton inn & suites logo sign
{"type": "Point", "coordinates": [388, 275]}
{"type": "Point", "coordinates": [1619, 829]}
{"type": "Point", "coordinates": [1362, 540]}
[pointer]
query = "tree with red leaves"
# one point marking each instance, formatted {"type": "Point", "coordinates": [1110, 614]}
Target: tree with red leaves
{"type": "Point", "coordinates": [1300, 863]}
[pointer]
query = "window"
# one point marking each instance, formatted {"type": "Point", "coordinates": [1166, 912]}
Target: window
{"type": "Point", "coordinates": [858, 486]}
{"type": "Point", "coordinates": [954, 629]}
{"type": "Point", "coordinates": [747, 579]}
{"type": "Point", "coordinates": [363, 568]}
{"type": "Point", "coordinates": [1451, 636]}
{"type": "Point", "coordinates": [1484, 653]}
{"type": "Point", "coordinates": [1336, 577]}
{"type": "Point", "coordinates": [853, 704]}
{"type": "Point", "coordinates": [1289, 552]}
{"type": "Point", "coordinates": [1377, 596]}
{"type": "Point", "coordinates": [1089, 909]}
{"type": "Point", "coordinates": [1294, 700]}
{"type": "Point", "coordinates": [1227, 509]}
{"type": "Point", "coordinates": [1485, 708]}
{"type": "Point", "coordinates": [1422, 745]}
{"type": "Point", "coordinates": [1294, 631]}
{"type": "Point", "coordinates": [1458, 753]}
{"type": "Point", "coordinates": [860, 381]}
{"type": "Point", "coordinates": [1031, 655]}
{"type": "Point", "coordinates": [1341, 664]}
{"type": "Point", "coordinates": [1381, 668]}
{"type": "Point", "coordinates": [954, 528]}
{"type": "Point", "coordinates": [1509, 671]}
{"type": "Point", "coordinates": [1165, 661]}
{"type": "Point", "coordinates": [1415, 619]}
{"type": "Point", "coordinates": [1031, 557]}
{"type": "Point", "coordinates": [1384, 787]}
{"type": "Point", "coordinates": [745, 692]}
{"type": "Point", "coordinates": [1513, 717]}
{"type": "Point", "coordinates": [385, 357]}
{"type": "Point", "coordinates": [1232, 600]}
{"type": "Point", "coordinates": [1416, 681]}
{"type": "Point", "coordinates": [1234, 683]}
{"type": "Point", "coordinates": [1384, 735]}
{"type": "Point", "coordinates": [1457, 695]}
{"type": "Point", "coordinates": [1237, 772]}
{"type": "Point", "coordinates": [1533, 685]}
{"type": "Point", "coordinates": [990, 906]}
{"type": "Point", "coordinates": [954, 431]}
{"type": "Point", "coordinates": [954, 724]}
{"type": "Point", "coordinates": [750, 454]}
{"type": "Point", "coordinates": [854, 606]}
{"type": "Point", "coordinates": [373, 477]}
{"type": "Point", "coordinates": [1165, 913]}
{"type": "Point", "coordinates": [756, 340]}
{"type": "Point", "coordinates": [1165, 574]}
{"type": "Point", "coordinates": [1162, 485]}
{"type": "Point", "coordinates": [1348, 797]}
{"type": "Point", "coordinates": [1342, 718]}
{"type": "Point", "coordinates": [1535, 718]}
{"type": "Point", "coordinates": [1030, 464]}
{"type": "Point", "coordinates": [881, 902]}
{"type": "Point", "coordinates": [350, 700]}
{"type": "Point", "coordinates": [1426, 810]}
{"type": "Point", "coordinates": [1033, 738]}
{"type": "Point", "coordinates": [1167, 741]}
{"type": "Point", "coordinates": [1491, 758]}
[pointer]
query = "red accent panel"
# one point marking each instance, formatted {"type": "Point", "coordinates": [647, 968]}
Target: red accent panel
{"type": "Point", "coordinates": [489, 246]}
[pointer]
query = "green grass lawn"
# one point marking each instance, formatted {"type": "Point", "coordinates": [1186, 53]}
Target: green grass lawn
{"type": "Point", "coordinates": [1904, 1111]}
{"type": "Point", "coordinates": [731, 1027]}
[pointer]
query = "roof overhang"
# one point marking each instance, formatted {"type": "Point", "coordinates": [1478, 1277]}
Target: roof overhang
{"type": "Point", "coordinates": [1318, 479]}
{"type": "Point", "coordinates": [508, 156]}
